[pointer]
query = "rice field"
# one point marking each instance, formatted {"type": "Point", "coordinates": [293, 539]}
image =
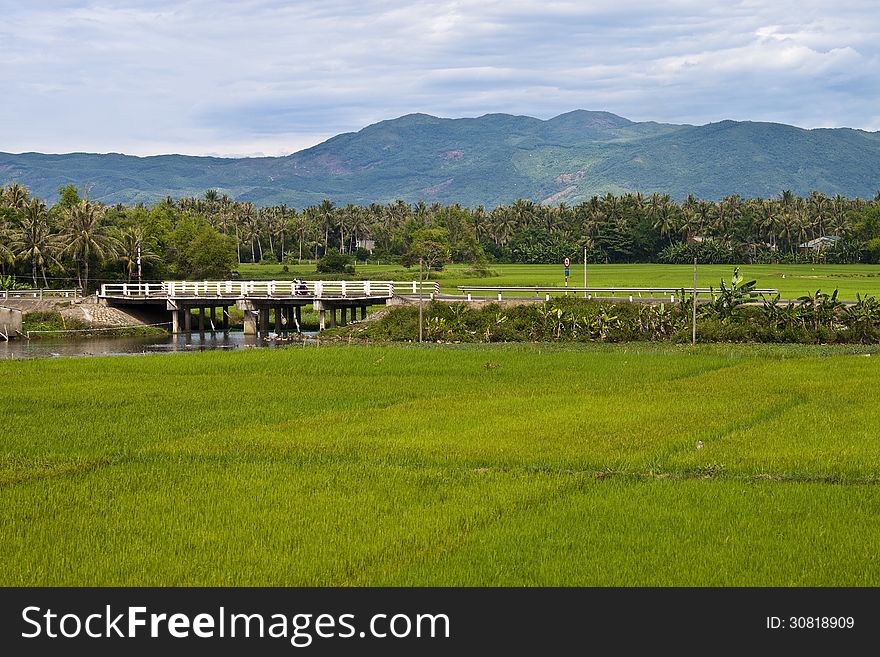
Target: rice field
{"type": "Point", "coordinates": [792, 281]}
{"type": "Point", "coordinates": [457, 465]}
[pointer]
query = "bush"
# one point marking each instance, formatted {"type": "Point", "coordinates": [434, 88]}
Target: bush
{"type": "Point", "coordinates": [334, 262]}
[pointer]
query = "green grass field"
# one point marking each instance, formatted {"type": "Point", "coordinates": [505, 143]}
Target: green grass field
{"type": "Point", "coordinates": [792, 281]}
{"type": "Point", "coordinates": [399, 465]}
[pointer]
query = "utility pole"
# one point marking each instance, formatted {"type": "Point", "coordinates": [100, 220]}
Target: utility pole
{"type": "Point", "coordinates": [694, 318]}
{"type": "Point", "coordinates": [585, 272]}
{"type": "Point", "coordinates": [421, 331]}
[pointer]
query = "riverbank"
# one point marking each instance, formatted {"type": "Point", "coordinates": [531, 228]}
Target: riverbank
{"type": "Point", "coordinates": [66, 317]}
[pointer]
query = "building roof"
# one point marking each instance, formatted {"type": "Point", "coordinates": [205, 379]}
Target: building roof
{"type": "Point", "coordinates": [820, 242]}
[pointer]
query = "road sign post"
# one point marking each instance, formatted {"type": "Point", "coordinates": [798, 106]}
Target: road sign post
{"type": "Point", "coordinates": [567, 262]}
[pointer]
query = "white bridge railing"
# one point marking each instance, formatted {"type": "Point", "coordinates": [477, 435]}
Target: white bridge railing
{"type": "Point", "coordinates": [267, 289]}
{"type": "Point", "coordinates": [39, 294]}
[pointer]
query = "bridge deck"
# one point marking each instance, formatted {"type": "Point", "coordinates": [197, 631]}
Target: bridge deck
{"type": "Point", "coordinates": [260, 298]}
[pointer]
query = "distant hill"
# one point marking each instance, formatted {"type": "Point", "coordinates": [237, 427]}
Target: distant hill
{"type": "Point", "coordinates": [489, 160]}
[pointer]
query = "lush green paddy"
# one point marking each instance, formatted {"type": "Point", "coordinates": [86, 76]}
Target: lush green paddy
{"type": "Point", "coordinates": [792, 281]}
{"type": "Point", "coordinates": [476, 465]}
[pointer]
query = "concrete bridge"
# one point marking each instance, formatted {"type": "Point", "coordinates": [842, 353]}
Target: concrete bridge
{"type": "Point", "coordinates": [262, 301]}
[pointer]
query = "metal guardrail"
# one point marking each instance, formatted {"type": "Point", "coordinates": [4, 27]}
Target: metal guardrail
{"type": "Point", "coordinates": [632, 292]}
{"type": "Point", "coordinates": [266, 289]}
{"type": "Point", "coordinates": [39, 294]}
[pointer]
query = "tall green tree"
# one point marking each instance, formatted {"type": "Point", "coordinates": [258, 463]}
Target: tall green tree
{"type": "Point", "coordinates": [85, 239]}
{"type": "Point", "coordinates": [33, 240]}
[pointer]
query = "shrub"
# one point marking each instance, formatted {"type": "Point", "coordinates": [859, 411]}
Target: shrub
{"type": "Point", "coordinates": [334, 262]}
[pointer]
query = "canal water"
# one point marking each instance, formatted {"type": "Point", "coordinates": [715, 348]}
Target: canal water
{"type": "Point", "coordinates": [118, 346]}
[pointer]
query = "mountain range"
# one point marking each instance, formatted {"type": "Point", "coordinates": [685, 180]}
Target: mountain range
{"type": "Point", "coordinates": [489, 160]}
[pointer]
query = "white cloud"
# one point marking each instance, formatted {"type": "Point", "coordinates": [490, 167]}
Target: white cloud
{"type": "Point", "coordinates": [267, 76]}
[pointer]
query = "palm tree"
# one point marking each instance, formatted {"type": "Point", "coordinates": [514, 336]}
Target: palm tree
{"type": "Point", "coordinates": [839, 220]}
{"type": "Point", "coordinates": [301, 223]}
{"type": "Point", "coordinates": [611, 209]}
{"type": "Point", "coordinates": [690, 222]}
{"type": "Point", "coordinates": [133, 245]}
{"type": "Point", "coordinates": [267, 219]}
{"type": "Point", "coordinates": [358, 226]}
{"type": "Point", "coordinates": [251, 230]}
{"type": "Point", "coordinates": [523, 213]}
{"type": "Point", "coordinates": [6, 254]}
{"type": "Point", "coordinates": [665, 220]}
{"type": "Point", "coordinates": [33, 240]}
{"type": "Point", "coordinates": [345, 218]}
{"type": "Point", "coordinates": [502, 224]}
{"type": "Point", "coordinates": [819, 208]}
{"type": "Point", "coordinates": [84, 238]}
{"type": "Point", "coordinates": [14, 197]}
{"type": "Point", "coordinates": [326, 212]}
{"type": "Point", "coordinates": [660, 211]}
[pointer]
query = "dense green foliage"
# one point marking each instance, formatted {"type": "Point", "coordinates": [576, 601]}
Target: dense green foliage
{"type": "Point", "coordinates": [334, 262]}
{"type": "Point", "coordinates": [731, 316]}
{"type": "Point", "coordinates": [490, 160]}
{"type": "Point", "coordinates": [469, 465]}
{"type": "Point", "coordinates": [81, 242]}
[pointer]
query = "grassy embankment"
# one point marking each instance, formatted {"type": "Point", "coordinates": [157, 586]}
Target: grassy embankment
{"type": "Point", "coordinates": [792, 281]}
{"type": "Point", "coordinates": [52, 324]}
{"type": "Point", "coordinates": [500, 465]}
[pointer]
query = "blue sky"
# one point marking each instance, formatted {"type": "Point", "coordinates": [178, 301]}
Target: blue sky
{"type": "Point", "coordinates": [254, 77]}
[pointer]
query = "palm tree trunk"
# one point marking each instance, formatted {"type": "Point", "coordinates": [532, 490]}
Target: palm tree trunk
{"type": "Point", "coordinates": [34, 268]}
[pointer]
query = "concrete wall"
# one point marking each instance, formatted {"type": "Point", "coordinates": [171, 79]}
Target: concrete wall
{"type": "Point", "coordinates": [10, 321]}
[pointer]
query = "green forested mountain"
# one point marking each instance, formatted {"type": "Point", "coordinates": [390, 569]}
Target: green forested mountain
{"type": "Point", "coordinates": [489, 160]}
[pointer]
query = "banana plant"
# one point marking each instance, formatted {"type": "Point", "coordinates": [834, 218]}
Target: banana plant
{"type": "Point", "coordinates": [821, 309]}
{"type": "Point", "coordinates": [862, 317]}
{"type": "Point", "coordinates": [725, 303]}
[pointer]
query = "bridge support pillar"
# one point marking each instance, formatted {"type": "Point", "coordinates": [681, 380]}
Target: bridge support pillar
{"type": "Point", "coordinates": [363, 312]}
{"type": "Point", "coordinates": [333, 317]}
{"type": "Point", "coordinates": [343, 313]}
{"type": "Point", "coordinates": [264, 320]}
{"type": "Point", "coordinates": [187, 320]}
{"type": "Point", "coordinates": [250, 322]}
{"type": "Point", "coordinates": [297, 315]}
{"type": "Point", "coordinates": [278, 311]}
{"type": "Point", "coordinates": [202, 321]}
{"type": "Point", "coordinates": [225, 319]}
{"type": "Point", "coordinates": [175, 322]}
{"type": "Point", "coordinates": [322, 314]}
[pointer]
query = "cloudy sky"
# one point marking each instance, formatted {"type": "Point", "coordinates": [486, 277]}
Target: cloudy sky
{"type": "Point", "coordinates": [249, 77]}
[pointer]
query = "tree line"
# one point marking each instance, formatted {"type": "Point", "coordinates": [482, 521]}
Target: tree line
{"type": "Point", "coordinates": [80, 240]}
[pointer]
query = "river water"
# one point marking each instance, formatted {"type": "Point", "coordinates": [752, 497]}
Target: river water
{"type": "Point", "coordinates": [117, 346]}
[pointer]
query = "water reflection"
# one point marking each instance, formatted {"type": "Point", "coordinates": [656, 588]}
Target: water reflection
{"type": "Point", "coordinates": [127, 345]}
